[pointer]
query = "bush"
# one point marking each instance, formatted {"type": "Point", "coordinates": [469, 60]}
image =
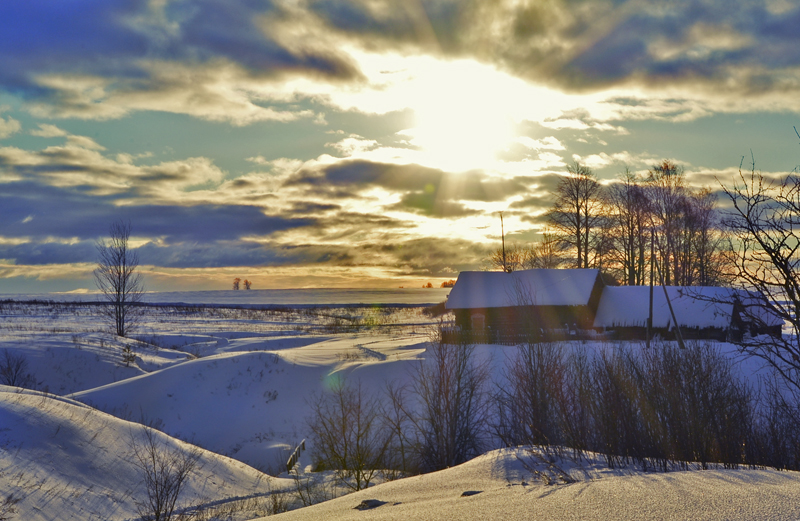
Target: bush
{"type": "Point", "coordinates": [528, 408]}
{"type": "Point", "coordinates": [451, 419]}
{"type": "Point", "coordinates": [14, 370]}
{"type": "Point", "coordinates": [656, 407]}
{"type": "Point", "coordinates": [164, 471]}
{"type": "Point", "coordinates": [348, 435]}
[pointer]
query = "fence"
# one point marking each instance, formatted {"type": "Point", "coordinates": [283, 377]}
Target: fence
{"type": "Point", "coordinates": [510, 337]}
{"type": "Point", "coordinates": [295, 456]}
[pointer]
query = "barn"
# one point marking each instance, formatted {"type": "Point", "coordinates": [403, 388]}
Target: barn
{"type": "Point", "coordinates": [500, 307]}
{"type": "Point", "coordinates": [701, 312]}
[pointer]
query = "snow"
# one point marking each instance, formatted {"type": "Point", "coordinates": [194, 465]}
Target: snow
{"type": "Point", "coordinates": [238, 383]}
{"type": "Point", "coordinates": [627, 306]}
{"type": "Point", "coordinates": [509, 489]}
{"type": "Point", "coordinates": [543, 287]}
{"type": "Point", "coordinates": [696, 306]}
{"type": "Point", "coordinates": [245, 404]}
{"type": "Point", "coordinates": [269, 297]}
{"type": "Point", "coordinates": [64, 460]}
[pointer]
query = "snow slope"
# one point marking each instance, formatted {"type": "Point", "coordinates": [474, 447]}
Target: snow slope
{"type": "Point", "coordinates": [63, 460]}
{"type": "Point", "coordinates": [505, 486]}
{"type": "Point", "coordinates": [247, 396]}
{"type": "Point", "coordinates": [251, 405]}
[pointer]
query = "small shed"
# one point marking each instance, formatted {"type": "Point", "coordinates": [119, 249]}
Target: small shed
{"type": "Point", "coordinates": [502, 307]}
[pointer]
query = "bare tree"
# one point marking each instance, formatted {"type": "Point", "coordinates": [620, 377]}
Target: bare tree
{"type": "Point", "coordinates": [507, 258]}
{"type": "Point", "coordinates": [690, 243]}
{"type": "Point", "coordinates": [165, 473]}
{"type": "Point", "coordinates": [14, 370]}
{"type": "Point", "coordinates": [765, 223]}
{"type": "Point", "coordinates": [7, 506]}
{"type": "Point", "coordinates": [528, 400]}
{"type": "Point", "coordinates": [247, 284]}
{"type": "Point", "coordinates": [544, 254]}
{"type": "Point", "coordinates": [666, 192]}
{"type": "Point", "coordinates": [577, 211]}
{"type": "Point", "coordinates": [347, 434]}
{"type": "Point", "coordinates": [629, 222]}
{"type": "Point", "coordinates": [451, 417]}
{"type": "Point", "coordinates": [709, 261]}
{"type": "Point", "coordinates": [400, 457]}
{"type": "Point", "coordinates": [236, 282]}
{"type": "Point", "coordinates": [117, 278]}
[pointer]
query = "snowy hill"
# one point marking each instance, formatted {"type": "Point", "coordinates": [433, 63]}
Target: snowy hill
{"type": "Point", "coordinates": [60, 459]}
{"type": "Point", "coordinates": [252, 405]}
{"type": "Point", "coordinates": [507, 484]}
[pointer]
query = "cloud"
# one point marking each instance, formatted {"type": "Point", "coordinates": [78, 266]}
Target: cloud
{"type": "Point", "coordinates": [8, 127]}
{"type": "Point", "coordinates": [210, 59]}
{"type": "Point", "coordinates": [241, 62]}
{"type": "Point", "coordinates": [79, 164]}
{"type": "Point", "coordinates": [358, 174]}
{"type": "Point", "coordinates": [436, 256]}
{"type": "Point", "coordinates": [690, 58]}
{"type": "Point", "coordinates": [48, 130]}
{"type": "Point", "coordinates": [62, 212]}
{"type": "Point", "coordinates": [428, 204]}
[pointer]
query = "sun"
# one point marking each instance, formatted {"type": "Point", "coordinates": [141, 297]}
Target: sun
{"type": "Point", "coordinates": [465, 112]}
{"type": "Point", "coordinates": [461, 117]}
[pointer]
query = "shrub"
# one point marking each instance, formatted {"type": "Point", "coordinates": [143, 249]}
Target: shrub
{"type": "Point", "coordinates": [14, 370]}
{"type": "Point", "coordinates": [347, 434]}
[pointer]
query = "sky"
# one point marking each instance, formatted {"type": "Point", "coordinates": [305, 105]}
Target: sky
{"type": "Point", "coordinates": [360, 143]}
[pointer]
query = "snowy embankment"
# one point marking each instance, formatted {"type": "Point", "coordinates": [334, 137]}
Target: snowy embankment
{"type": "Point", "coordinates": [506, 484]}
{"type": "Point", "coordinates": [60, 459]}
{"type": "Point", "coordinates": [252, 405]}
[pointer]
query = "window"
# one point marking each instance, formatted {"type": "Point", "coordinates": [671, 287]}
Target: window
{"type": "Point", "coordinates": [478, 322]}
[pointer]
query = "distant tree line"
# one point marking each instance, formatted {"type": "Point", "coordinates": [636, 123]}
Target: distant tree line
{"type": "Point", "coordinates": [238, 283]}
{"type": "Point", "coordinates": [629, 226]}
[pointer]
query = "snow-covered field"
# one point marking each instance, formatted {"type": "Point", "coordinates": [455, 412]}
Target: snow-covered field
{"type": "Point", "coordinates": [237, 383]}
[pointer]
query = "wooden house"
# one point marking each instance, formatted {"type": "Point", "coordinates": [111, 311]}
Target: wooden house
{"type": "Point", "coordinates": [499, 307]}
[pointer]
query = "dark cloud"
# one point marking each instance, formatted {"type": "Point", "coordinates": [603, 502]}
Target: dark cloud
{"type": "Point", "coordinates": [736, 46]}
{"type": "Point", "coordinates": [335, 254]}
{"type": "Point", "coordinates": [357, 221]}
{"type": "Point", "coordinates": [429, 25]}
{"type": "Point", "coordinates": [356, 175]}
{"type": "Point", "coordinates": [589, 43]}
{"type": "Point", "coordinates": [428, 204]}
{"type": "Point", "coordinates": [435, 256]}
{"type": "Point", "coordinates": [360, 173]}
{"type": "Point", "coordinates": [210, 254]}
{"type": "Point", "coordinates": [541, 201]}
{"type": "Point", "coordinates": [540, 193]}
{"type": "Point", "coordinates": [39, 36]}
{"type": "Point", "coordinates": [222, 28]}
{"type": "Point", "coordinates": [713, 42]}
{"type": "Point", "coordinates": [33, 253]}
{"type": "Point", "coordinates": [111, 39]}
{"type": "Point", "coordinates": [306, 207]}
{"type": "Point", "coordinates": [190, 254]}
{"type": "Point", "coordinates": [32, 210]}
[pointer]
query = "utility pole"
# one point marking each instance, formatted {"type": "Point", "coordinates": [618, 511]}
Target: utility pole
{"type": "Point", "coordinates": [503, 240]}
{"type": "Point", "coordinates": [652, 267]}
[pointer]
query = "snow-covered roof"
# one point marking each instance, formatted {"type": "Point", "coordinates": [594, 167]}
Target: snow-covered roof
{"type": "Point", "coordinates": [543, 287]}
{"type": "Point", "coordinates": [625, 306]}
